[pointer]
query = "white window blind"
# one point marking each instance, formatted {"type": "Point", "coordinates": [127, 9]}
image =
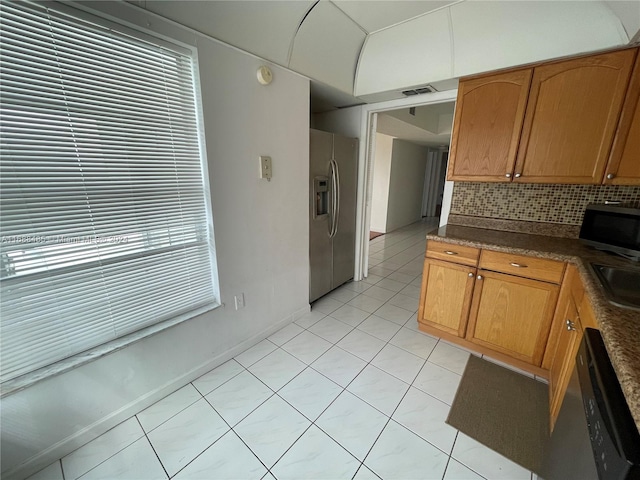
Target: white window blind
{"type": "Point", "coordinates": [104, 211]}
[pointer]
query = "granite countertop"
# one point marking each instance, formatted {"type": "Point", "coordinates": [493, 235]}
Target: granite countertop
{"type": "Point", "coordinates": [620, 327]}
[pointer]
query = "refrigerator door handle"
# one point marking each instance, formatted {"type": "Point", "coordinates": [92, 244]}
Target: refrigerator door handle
{"type": "Point", "coordinates": [332, 191]}
{"type": "Point", "coordinates": [337, 209]}
{"type": "Point", "coordinates": [334, 199]}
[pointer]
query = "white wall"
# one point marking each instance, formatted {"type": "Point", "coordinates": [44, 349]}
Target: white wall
{"type": "Point", "coordinates": [261, 234]}
{"type": "Point", "coordinates": [381, 178]}
{"type": "Point", "coordinates": [408, 163]}
{"type": "Point", "coordinates": [446, 203]}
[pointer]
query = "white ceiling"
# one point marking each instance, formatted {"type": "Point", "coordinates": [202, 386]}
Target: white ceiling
{"type": "Point", "coordinates": [430, 126]}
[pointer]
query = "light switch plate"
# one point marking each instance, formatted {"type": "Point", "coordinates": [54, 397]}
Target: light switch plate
{"type": "Point", "coordinates": [265, 167]}
{"type": "Point", "coordinates": [239, 301]}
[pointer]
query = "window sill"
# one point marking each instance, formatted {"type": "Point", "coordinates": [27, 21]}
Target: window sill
{"type": "Point", "coordinates": [44, 373]}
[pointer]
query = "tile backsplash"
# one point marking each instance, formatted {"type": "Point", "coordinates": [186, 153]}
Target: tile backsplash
{"type": "Point", "coordinates": [535, 202]}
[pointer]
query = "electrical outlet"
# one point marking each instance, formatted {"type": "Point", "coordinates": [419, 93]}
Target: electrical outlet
{"type": "Point", "coordinates": [265, 167]}
{"type": "Point", "coordinates": [239, 300]}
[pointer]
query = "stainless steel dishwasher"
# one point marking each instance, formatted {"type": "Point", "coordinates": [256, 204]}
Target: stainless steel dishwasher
{"type": "Point", "coordinates": [595, 437]}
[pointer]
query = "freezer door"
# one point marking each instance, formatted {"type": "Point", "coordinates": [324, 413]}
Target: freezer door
{"type": "Point", "coordinates": [345, 153]}
{"type": "Point", "coordinates": [320, 244]}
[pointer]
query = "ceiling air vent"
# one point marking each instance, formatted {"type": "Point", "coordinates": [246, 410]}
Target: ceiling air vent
{"type": "Point", "coordinates": [419, 91]}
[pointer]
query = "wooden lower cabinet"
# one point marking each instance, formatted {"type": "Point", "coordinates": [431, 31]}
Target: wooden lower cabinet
{"type": "Point", "coordinates": [506, 316]}
{"type": "Point", "coordinates": [512, 315]}
{"type": "Point", "coordinates": [532, 324]}
{"type": "Point", "coordinates": [573, 315]}
{"type": "Point", "coordinates": [446, 296]}
{"type": "Point", "coordinates": [569, 335]}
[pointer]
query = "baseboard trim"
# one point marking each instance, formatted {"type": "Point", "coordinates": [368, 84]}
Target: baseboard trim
{"type": "Point", "coordinates": [71, 443]}
{"type": "Point", "coordinates": [302, 312]}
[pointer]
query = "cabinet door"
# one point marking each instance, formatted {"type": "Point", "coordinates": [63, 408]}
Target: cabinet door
{"type": "Point", "coordinates": [487, 126]}
{"type": "Point", "coordinates": [624, 163]}
{"type": "Point", "coordinates": [446, 296]}
{"type": "Point", "coordinates": [571, 290]}
{"type": "Point", "coordinates": [512, 315]}
{"type": "Point", "coordinates": [572, 115]}
{"type": "Point", "coordinates": [564, 357]}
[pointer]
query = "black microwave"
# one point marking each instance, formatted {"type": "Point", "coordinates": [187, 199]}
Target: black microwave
{"type": "Point", "coordinates": [613, 228]}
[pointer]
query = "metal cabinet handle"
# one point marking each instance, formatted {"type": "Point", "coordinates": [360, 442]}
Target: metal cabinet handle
{"type": "Point", "coordinates": [570, 325]}
{"type": "Point", "coordinates": [518, 175]}
{"type": "Point", "coordinates": [611, 176]}
{"type": "Point", "coordinates": [449, 252]}
{"type": "Point", "coordinates": [470, 274]}
{"type": "Point", "coordinates": [508, 175]}
{"type": "Point", "coordinates": [519, 265]}
{"type": "Point", "coordinates": [479, 277]}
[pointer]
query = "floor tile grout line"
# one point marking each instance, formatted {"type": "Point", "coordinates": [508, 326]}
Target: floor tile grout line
{"type": "Point", "coordinates": [182, 409]}
{"type": "Point", "coordinates": [410, 386]}
{"type": "Point", "coordinates": [274, 393]}
{"type": "Point", "coordinates": [110, 456]}
{"type": "Point", "coordinates": [444, 474]}
{"type": "Point", "coordinates": [212, 444]}
{"type": "Point", "coordinates": [460, 461]}
{"type": "Point", "coordinates": [144, 431]}
{"type": "Point", "coordinates": [64, 477]}
{"type": "Point", "coordinates": [312, 422]}
{"type": "Point", "coordinates": [363, 465]}
{"type": "Point", "coordinates": [218, 413]}
{"type": "Point", "coordinates": [153, 448]}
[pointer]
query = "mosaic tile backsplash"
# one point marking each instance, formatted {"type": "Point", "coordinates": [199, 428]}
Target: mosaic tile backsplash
{"type": "Point", "coordinates": [535, 202]}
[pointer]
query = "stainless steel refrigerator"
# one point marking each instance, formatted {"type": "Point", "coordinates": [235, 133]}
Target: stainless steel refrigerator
{"type": "Point", "coordinates": [332, 211]}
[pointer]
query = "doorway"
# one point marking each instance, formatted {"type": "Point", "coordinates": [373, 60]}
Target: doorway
{"type": "Point", "coordinates": [409, 122]}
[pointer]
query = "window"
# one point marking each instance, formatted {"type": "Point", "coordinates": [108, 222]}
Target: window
{"type": "Point", "coordinates": [104, 212]}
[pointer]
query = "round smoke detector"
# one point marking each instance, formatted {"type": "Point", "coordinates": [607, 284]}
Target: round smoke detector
{"type": "Point", "coordinates": [264, 75]}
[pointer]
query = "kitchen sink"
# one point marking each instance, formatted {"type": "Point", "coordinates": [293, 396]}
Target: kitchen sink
{"type": "Point", "coordinates": [621, 285]}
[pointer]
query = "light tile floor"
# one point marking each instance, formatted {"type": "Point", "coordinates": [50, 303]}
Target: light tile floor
{"type": "Point", "coordinates": [351, 390]}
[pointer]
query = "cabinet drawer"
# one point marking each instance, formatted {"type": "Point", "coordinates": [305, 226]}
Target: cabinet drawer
{"type": "Point", "coordinates": [453, 253]}
{"type": "Point", "coordinates": [523, 266]}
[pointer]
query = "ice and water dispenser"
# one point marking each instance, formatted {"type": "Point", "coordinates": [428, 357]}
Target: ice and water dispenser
{"type": "Point", "coordinates": [321, 195]}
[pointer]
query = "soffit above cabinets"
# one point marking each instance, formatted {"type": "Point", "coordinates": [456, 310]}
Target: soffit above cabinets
{"type": "Point", "coordinates": [411, 53]}
{"type": "Point", "coordinates": [527, 32]}
{"type": "Point", "coordinates": [471, 37]}
{"type": "Point", "coordinates": [327, 46]}
{"type": "Point", "coordinates": [386, 13]}
{"type": "Point", "coordinates": [375, 49]}
{"type": "Point", "coordinates": [264, 28]}
{"type": "Point", "coordinates": [628, 11]}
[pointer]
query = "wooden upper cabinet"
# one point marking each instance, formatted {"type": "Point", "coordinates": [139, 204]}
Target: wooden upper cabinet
{"type": "Point", "coordinates": [624, 163]}
{"type": "Point", "coordinates": [487, 125]}
{"type": "Point", "coordinates": [572, 115]}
